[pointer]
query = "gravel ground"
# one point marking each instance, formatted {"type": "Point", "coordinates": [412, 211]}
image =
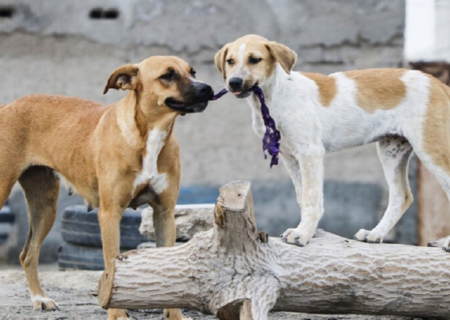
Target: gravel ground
{"type": "Point", "coordinates": [75, 292]}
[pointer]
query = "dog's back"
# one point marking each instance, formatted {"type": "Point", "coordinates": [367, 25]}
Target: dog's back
{"type": "Point", "coordinates": [46, 130]}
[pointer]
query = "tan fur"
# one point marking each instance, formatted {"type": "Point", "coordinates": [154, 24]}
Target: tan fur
{"type": "Point", "coordinates": [125, 78]}
{"type": "Point", "coordinates": [378, 88]}
{"type": "Point", "coordinates": [99, 150]}
{"type": "Point", "coordinates": [436, 130]}
{"type": "Point", "coordinates": [327, 87]}
{"type": "Point", "coordinates": [283, 55]}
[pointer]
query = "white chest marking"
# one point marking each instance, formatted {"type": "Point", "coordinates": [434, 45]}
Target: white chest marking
{"type": "Point", "coordinates": [149, 173]}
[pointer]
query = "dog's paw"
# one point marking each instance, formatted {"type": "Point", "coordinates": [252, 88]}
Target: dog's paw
{"type": "Point", "coordinates": [438, 243]}
{"type": "Point", "coordinates": [41, 303]}
{"type": "Point", "coordinates": [369, 236]}
{"type": "Point", "coordinates": [296, 236]}
{"type": "Point", "coordinates": [118, 314]}
{"type": "Point", "coordinates": [446, 245]}
{"type": "Point", "coordinates": [175, 314]}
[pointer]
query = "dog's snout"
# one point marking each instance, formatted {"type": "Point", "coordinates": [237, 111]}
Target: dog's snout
{"type": "Point", "coordinates": [205, 90]}
{"type": "Point", "coordinates": [235, 83]}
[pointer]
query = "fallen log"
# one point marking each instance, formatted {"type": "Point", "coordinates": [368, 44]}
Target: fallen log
{"type": "Point", "coordinates": [189, 218]}
{"type": "Point", "coordinates": [236, 272]}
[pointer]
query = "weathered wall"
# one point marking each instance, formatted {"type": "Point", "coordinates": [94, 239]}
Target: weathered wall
{"type": "Point", "coordinates": [52, 46]}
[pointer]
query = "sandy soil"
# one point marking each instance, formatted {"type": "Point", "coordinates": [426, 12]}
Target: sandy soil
{"type": "Point", "coordinates": [75, 292]}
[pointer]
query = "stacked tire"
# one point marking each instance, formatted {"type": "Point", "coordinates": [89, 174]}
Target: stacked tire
{"type": "Point", "coordinates": [82, 247]}
{"type": "Point", "coordinates": [7, 218]}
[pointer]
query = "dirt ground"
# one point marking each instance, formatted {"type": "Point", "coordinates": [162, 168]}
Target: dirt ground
{"type": "Point", "coordinates": [75, 292]}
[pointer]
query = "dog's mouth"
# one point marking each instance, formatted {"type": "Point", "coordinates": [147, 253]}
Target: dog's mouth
{"type": "Point", "coordinates": [243, 92]}
{"type": "Point", "coordinates": [186, 107]}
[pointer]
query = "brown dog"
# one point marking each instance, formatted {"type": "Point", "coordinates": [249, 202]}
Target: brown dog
{"type": "Point", "coordinates": [114, 156]}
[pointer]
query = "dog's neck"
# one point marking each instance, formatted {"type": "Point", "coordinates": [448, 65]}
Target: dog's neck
{"type": "Point", "coordinates": [278, 78]}
{"type": "Point", "coordinates": [135, 123]}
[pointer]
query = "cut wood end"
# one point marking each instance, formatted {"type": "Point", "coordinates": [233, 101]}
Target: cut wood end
{"type": "Point", "coordinates": [234, 195]}
{"type": "Point", "coordinates": [106, 284]}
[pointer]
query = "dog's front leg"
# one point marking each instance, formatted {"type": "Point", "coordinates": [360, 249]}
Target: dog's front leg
{"type": "Point", "coordinates": [293, 168]}
{"type": "Point", "coordinates": [164, 208]}
{"type": "Point", "coordinates": [109, 216]}
{"type": "Point", "coordinates": [311, 203]}
{"type": "Point", "coordinates": [165, 232]}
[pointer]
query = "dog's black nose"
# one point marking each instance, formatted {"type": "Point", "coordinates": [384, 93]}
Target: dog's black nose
{"type": "Point", "coordinates": [235, 83]}
{"type": "Point", "coordinates": [205, 90]}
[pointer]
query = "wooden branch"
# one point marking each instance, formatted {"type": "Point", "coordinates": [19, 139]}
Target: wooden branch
{"type": "Point", "coordinates": [236, 272]}
{"type": "Point", "coordinates": [190, 219]}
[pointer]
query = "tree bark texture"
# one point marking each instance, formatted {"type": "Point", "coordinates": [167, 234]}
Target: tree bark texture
{"type": "Point", "coordinates": [236, 272]}
{"type": "Point", "coordinates": [190, 219]}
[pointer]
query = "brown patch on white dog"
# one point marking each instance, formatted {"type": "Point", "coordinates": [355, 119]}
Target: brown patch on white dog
{"type": "Point", "coordinates": [327, 87]}
{"type": "Point", "coordinates": [378, 88]}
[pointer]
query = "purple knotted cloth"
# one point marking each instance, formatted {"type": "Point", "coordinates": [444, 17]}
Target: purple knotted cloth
{"type": "Point", "coordinates": [219, 95]}
{"type": "Point", "coordinates": [271, 139]}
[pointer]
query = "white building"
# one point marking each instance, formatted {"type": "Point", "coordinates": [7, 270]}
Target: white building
{"type": "Point", "coordinates": [427, 31]}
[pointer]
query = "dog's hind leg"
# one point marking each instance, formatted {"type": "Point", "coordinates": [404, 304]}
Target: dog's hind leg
{"type": "Point", "coordinates": [438, 164]}
{"type": "Point", "coordinates": [394, 153]}
{"type": "Point", "coordinates": [41, 188]}
{"type": "Point", "coordinates": [432, 146]}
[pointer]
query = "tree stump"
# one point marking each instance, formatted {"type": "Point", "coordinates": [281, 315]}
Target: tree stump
{"type": "Point", "coordinates": [236, 272]}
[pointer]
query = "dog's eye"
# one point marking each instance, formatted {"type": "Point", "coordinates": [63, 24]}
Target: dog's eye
{"type": "Point", "coordinates": [230, 62]}
{"type": "Point", "coordinates": [193, 73]}
{"type": "Point", "coordinates": [254, 60]}
{"type": "Point", "coordinates": [169, 76]}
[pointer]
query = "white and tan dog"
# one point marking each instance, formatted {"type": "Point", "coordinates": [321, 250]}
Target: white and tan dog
{"type": "Point", "coordinates": [400, 109]}
{"type": "Point", "coordinates": [115, 156]}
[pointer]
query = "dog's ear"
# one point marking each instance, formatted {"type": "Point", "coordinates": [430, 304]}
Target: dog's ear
{"type": "Point", "coordinates": [283, 55]}
{"type": "Point", "coordinates": [125, 78]}
{"type": "Point", "coordinates": [219, 59]}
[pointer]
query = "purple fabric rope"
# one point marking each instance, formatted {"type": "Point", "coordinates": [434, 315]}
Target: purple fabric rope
{"type": "Point", "coordinates": [271, 139]}
{"type": "Point", "coordinates": [219, 95]}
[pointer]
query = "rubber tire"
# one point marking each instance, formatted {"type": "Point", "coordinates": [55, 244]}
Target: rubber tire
{"type": "Point", "coordinates": [80, 258]}
{"type": "Point", "coordinates": [81, 227]}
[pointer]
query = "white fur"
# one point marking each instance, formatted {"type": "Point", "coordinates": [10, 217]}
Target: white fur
{"type": "Point", "coordinates": [149, 173]}
{"type": "Point", "coordinates": [241, 70]}
{"type": "Point", "coordinates": [308, 130]}
{"type": "Point", "coordinates": [39, 301]}
{"type": "Point", "coordinates": [39, 298]}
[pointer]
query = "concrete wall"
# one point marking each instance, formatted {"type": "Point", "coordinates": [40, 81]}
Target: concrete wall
{"type": "Point", "coordinates": [52, 46]}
